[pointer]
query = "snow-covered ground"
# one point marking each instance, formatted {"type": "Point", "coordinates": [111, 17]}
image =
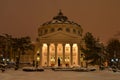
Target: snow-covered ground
{"type": "Point", "coordinates": [59, 75]}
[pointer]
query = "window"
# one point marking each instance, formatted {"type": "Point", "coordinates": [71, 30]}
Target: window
{"type": "Point", "coordinates": [74, 31]}
{"type": "Point", "coordinates": [67, 29]}
{"type": "Point", "coordinates": [52, 30]}
{"type": "Point", "coordinates": [46, 31]}
{"type": "Point", "coordinates": [59, 29]}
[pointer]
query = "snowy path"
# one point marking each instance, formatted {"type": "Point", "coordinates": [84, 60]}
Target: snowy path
{"type": "Point", "coordinates": [59, 75]}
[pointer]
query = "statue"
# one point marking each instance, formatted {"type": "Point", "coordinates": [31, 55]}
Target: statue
{"type": "Point", "coordinates": [58, 61]}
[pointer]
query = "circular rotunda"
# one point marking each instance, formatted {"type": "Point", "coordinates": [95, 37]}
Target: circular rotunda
{"type": "Point", "coordinates": [59, 42]}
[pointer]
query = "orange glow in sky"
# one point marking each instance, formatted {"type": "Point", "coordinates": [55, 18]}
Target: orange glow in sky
{"type": "Point", "coordinates": [23, 17]}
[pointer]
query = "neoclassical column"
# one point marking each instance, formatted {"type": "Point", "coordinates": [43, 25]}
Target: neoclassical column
{"type": "Point", "coordinates": [55, 54]}
{"type": "Point", "coordinates": [48, 54]}
{"type": "Point", "coordinates": [63, 54]}
{"type": "Point", "coordinates": [71, 54]}
{"type": "Point", "coordinates": [78, 54]}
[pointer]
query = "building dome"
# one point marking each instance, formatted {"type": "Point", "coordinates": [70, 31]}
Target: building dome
{"type": "Point", "coordinates": [60, 23]}
{"type": "Point", "coordinates": [60, 19]}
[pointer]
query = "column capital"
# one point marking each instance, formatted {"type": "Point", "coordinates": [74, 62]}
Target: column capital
{"type": "Point", "coordinates": [71, 44]}
{"type": "Point", "coordinates": [63, 44]}
{"type": "Point", "coordinates": [48, 44]}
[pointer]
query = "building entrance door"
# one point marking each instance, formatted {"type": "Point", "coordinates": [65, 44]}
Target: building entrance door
{"type": "Point", "coordinates": [67, 61]}
{"type": "Point", "coordinates": [58, 61]}
{"type": "Point", "coordinates": [52, 61]}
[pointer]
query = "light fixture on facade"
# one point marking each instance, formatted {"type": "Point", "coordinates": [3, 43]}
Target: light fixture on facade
{"type": "Point", "coordinates": [38, 59]}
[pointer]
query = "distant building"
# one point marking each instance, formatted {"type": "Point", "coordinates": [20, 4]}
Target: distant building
{"type": "Point", "coordinates": [59, 39]}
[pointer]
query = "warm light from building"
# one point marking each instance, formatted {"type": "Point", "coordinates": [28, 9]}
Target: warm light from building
{"type": "Point", "coordinates": [38, 51]}
{"type": "Point", "coordinates": [38, 59]}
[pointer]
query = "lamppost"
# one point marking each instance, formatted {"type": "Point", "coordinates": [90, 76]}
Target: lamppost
{"type": "Point", "coordinates": [38, 59]}
{"type": "Point", "coordinates": [115, 62]}
{"type": "Point", "coordinates": [17, 63]}
{"type": "Point", "coordinates": [1, 58]}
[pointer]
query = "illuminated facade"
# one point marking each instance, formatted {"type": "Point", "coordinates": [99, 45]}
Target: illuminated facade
{"type": "Point", "coordinates": [59, 39]}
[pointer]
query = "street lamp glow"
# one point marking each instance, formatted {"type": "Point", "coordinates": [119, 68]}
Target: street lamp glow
{"type": "Point", "coordinates": [3, 59]}
{"type": "Point", "coordinates": [38, 59]}
{"type": "Point", "coordinates": [38, 51]}
{"type": "Point", "coordinates": [112, 60]}
{"type": "Point", "coordinates": [7, 59]}
{"type": "Point", "coordinates": [116, 59]}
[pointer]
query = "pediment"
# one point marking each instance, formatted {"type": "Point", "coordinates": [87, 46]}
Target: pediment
{"type": "Point", "coordinates": [60, 35]}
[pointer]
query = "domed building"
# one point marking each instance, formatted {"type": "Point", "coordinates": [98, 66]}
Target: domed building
{"type": "Point", "coordinates": [59, 42]}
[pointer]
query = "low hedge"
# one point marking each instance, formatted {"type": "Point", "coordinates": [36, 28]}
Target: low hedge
{"type": "Point", "coordinates": [32, 69]}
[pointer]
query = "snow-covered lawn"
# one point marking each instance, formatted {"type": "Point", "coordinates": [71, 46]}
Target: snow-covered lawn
{"type": "Point", "coordinates": [59, 75]}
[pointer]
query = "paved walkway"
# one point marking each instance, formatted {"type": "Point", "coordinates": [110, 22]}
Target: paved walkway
{"type": "Point", "coordinates": [59, 75]}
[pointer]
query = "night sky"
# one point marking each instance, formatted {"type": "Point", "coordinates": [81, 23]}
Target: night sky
{"type": "Point", "coordinates": [23, 17]}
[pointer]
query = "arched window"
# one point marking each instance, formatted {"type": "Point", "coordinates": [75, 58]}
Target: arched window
{"type": "Point", "coordinates": [67, 29]}
{"type": "Point", "coordinates": [46, 31]}
{"type": "Point", "coordinates": [52, 30]}
{"type": "Point", "coordinates": [59, 29]}
{"type": "Point", "coordinates": [74, 31]}
{"type": "Point", "coordinates": [78, 32]}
